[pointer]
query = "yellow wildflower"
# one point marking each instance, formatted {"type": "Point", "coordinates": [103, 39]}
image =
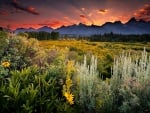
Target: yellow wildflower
{"type": "Point", "coordinates": [69, 97]}
{"type": "Point", "coordinates": [67, 86]}
{"type": "Point", "coordinates": [68, 83]}
{"type": "Point", "coordinates": [70, 67]}
{"type": "Point", "coordinates": [5, 64]}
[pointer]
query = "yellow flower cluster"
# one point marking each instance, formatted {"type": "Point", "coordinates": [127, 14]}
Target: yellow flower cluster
{"type": "Point", "coordinates": [69, 97]}
{"type": "Point", "coordinates": [66, 91]}
{"type": "Point", "coordinates": [5, 64]}
{"type": "Point", "coordinates": [67, 86]}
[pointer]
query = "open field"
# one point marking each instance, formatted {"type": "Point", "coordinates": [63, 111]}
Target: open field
{"type": "Point", "coordinates": [99, 49]}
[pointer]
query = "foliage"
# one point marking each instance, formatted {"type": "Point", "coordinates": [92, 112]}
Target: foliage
{"type": "Point", "coordinates": [43, 35]}
{"type": "Point", "coordinates": [29, 91]}
{"type": "Point", "coordinates": [55, 35]}
{"type": "Point", "coordinates": [23, 52]}
{"type": "Point", "coordinates": [130, 81]}
{"type": "Point", "coordinates": [22, 34]}
{"type": "Point", "coordinates": [4, 44]}
{"type": "Point", "coordinates": [65, 77]}
{"type": "Point", "coordinates": [111, 37]}
{"type": "Point", "coordinates": [19, 51]}
{"type": "Point", "coordinates": [87, 77]}
{"type": "Point", "coordinates": [4, 69]}
{"type": "Point", "coordinates": [105, 51]}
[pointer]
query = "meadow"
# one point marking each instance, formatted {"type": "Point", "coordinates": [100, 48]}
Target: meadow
{"type": "Point", "coordinates": [73, 76]}
{"type": "Point", "coordinates": [104, 51]}
{"type": "Point", "coordinates": [96, 48]}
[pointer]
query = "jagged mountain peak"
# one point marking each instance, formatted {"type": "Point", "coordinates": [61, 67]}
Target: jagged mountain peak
{"type": "Point", "coordinates": [117, 22]}
{"type": "Point", "coordinates": [133, 19]}
{"type": "Point", "coordinates": [81, 24]}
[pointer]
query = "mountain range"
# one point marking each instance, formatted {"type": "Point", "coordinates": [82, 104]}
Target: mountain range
{"type": "Point", "coordinates": [133, 26]}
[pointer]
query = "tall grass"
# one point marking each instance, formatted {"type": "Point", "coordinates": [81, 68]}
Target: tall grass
{"type": "Point", "coordinates": [87, 76]}
{"type": "Point", "coordinates": [125, 66]}
{"type": "Point", "coordinates": [130, 83]}
{"type": "Point", "coordinates": [127, 91]}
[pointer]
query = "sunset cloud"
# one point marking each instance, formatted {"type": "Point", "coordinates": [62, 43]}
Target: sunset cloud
{"type": "Point", "coordinates": [90, 14]}
{"type": "Point", "coordinates": [123, 18]}
{"type": "Point", "coordinates": [83, 9]}
{"type": "Point", "coordinates": [65, 17]}
{"type": "Point", "coordinates": [54, 24]}
{"type": "Point", "coordinates": [56, 13]}
{"type": "Point", "coordinates": [17, 5]}
{"type": "Point", "coordinates": [85, 20]}
{"type": "Point", "coordinates": [82, 16]}
{"type": "Point", "coordinates": [102, 11]}
{"type": "Point", "coordinates": [143, 13]}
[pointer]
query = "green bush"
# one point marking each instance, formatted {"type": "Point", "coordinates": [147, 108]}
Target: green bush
{"type": "Point", "coordinates": [29, 91]}
{"type": "Point", "coordinates": [4, 43]}
{"type": "Point", "coordinates": [19, 51]}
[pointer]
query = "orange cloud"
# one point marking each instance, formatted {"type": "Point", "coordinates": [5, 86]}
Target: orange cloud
{"type": "Point", "coordinates": [83, 9]}
{"type": "Point", "coordinates": [123, 18]}
{"type": "Point", "coordinates": [65, 17]}
{"type": "Point", "coordinates": [31, 25]}
{"type": "Point", "coordinates": [68, 20]}
{"type": "Point", "coordinates": [90, 14]}
{"type": "Point", "coordinates": [143, 13]}
{"type": "Point", "coordinates": [84, 20]}
{"type": "Point", "coordinates": [102, 11]}
{"type": "Point", "coordinates": [54, 24]}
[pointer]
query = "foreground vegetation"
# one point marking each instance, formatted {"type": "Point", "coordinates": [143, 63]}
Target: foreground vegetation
{"type": "Point", "coordinates": [65, 77]}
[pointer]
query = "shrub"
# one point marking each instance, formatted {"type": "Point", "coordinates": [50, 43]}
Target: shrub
{"type": "Point", "coordinates": [131, 82]}
{"type": "Point", "coordinates": [4, 44]}
{"type": "Point", "coordinates": [87, 85]}
{"type": "Point", "coordinates": [19, 52]}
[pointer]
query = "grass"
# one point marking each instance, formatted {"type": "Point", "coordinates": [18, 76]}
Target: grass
{"type": "Point", "coordinates": [99, 49]}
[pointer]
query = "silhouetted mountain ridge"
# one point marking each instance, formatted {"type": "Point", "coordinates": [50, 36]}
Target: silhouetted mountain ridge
{"type": "Point", "coordinates": [45, 28]}
{"type": "Point", "coordinates": [133, 26]}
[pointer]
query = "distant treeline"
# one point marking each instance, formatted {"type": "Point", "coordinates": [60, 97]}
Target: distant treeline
{"type": "Point", "coordinates": [41, 35]}
{"type": "Point", "coordinates": [110, 37]}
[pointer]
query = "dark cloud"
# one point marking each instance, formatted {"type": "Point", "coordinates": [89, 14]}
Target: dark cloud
{"type": "Point", "coordinates": [82, 16]}
{"type": "Point", "coordinates": [17, 5]}
{"type": "Point", "coordinates": [143, 13]}
{"type": "Point", "coordinates": [3, 12]}
{"type": "Point", "coordinates": [102, 11]}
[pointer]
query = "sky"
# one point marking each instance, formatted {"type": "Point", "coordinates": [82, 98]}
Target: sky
{"type": "Point", "coordinates": [56, 13]}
